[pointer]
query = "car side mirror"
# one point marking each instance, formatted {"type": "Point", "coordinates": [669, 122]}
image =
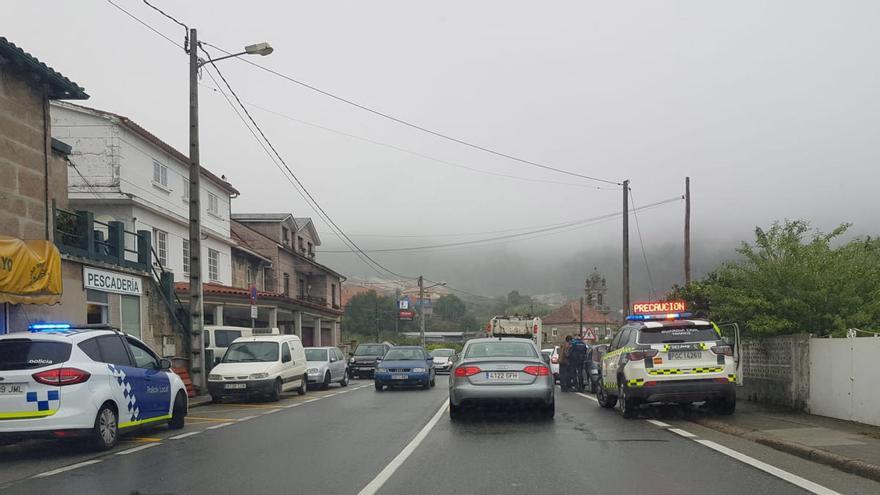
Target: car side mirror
{"type": "Point", "coordinates": [378, 360]}
{"type": "Point", "coordinates": [217, 361]}
{"type": "Point", "coordinates": [164, 364]}
{"type": "Point", "coordinates": [546, 358]}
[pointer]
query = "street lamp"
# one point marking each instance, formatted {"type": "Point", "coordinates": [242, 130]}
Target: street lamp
{"type": "Point", "coordinates": [196, 306]}
{"type": "Point", "coordinates": [422, 305]}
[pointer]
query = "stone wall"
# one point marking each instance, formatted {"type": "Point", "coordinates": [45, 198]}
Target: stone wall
{"type": "Point", "coordinates": [777, 370]}
{"type": "Point", "coordinates": [24, 151]}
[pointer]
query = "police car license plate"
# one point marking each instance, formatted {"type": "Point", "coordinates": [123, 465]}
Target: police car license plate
{"type": "Point", "coordinates": [399, 377]}
{"type": "Point", "coordinates": [684, 355]}
{"type": "Point", "coordinates": [12, 388]}
{"type": "Point", "coordinates": [235, 385]}
{"type": "Point", "coordinates": [502, 375]}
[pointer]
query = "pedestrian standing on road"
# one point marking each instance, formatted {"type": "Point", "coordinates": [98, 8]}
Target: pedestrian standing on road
{"type": "Point", "coordinates": [564, 375]}
{"type": "Point", "coordinates": [577, 354]}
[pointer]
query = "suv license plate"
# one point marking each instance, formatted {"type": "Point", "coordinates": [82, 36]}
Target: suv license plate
{"type": "Point", "coordinates": [399, 377]}
{"type": "Point", "coordinates": [235, 385]}
{"type": "Point", "coordinates": [12, 388]}
{"type": "Point", "coordinates": [684, 355]}
{"type": "Point", "coordinates": [502, 375]}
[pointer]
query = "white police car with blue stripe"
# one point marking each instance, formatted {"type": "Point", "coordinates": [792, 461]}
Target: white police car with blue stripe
{"type": "Point", "coordinates": [61, 381]}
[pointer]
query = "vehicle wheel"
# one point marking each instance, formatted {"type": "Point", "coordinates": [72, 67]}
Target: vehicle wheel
{"type": "Point", "coordinates": [455, 412]}
{"type": "Point", "coordinates": [275, 395]}
{"type": "Point", "coordinates": [628, 405]}
{"type": "Point", "coordinates": [355, 376]}
{"type": "Point", "coordinates": [433, 381]}
{"type": "Point", "coordinates": [344, 382]}
{"type": "Point", "coordinates": [604, 399]}
{"type": "Point", "coordinates": [379, 386]}
{"type": "Point", "coordinates": [725, 407]}
{"type": "Point", "coordinates": [178, 414]}
{"type": "Point", "coordinates": [303, 385]}
{"type": "Point", "coordinates": [547, 412]}
{"type": "Point", "coordinates": [426, 385]}
{"type": "Point", "coordinates": [105, 433]}
{"type": "Point", "coordinates": [326, 384]}
{"type": "Point", "coordinates": [216, 399]}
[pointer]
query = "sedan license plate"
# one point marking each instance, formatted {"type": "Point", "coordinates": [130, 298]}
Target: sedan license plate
{"type": "Point", "coordinates": [12, 388]}
{"type": "Point", "coordinates": [399, 377]}
{"type": "Point", "coordinates": [684, 355]}
{"type": "Point", "coordinates": [502, 375]}
{"type": "Point", "coordinates": [235, 385]}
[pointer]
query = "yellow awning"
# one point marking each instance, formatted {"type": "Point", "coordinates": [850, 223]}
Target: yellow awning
{"type": "Point", "coordinates": [30, 272]}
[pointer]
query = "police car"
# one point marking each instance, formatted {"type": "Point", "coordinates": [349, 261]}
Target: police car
{"type": "Point", "coordinates": [665, 357]}
{"type": "Point", "coordinates": [60, 381]}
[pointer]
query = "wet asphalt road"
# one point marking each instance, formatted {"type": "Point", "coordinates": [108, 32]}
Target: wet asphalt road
{"type": "Point", "coordinates": [339, 441]}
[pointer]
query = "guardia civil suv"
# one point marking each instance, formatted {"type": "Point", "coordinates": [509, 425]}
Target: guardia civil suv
{"type": "Point", "coordinates": [667, 359]}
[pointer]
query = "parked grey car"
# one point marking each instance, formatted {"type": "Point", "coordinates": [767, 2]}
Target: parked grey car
{"type": "Point", "coordinates": [325, 366]}
{"type": "Point", "coordinates": [501, 370]}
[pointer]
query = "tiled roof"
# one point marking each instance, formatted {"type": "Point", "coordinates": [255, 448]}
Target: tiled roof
{"type": "Point", "coordinates": [570, 313]}
{"type": "Point", "coordinates": [60, 87]}
{"type": "Point", "coordinates": [225, 290]}
{"type": "Point", "coordinates": [152, 138]}
{"type": "Point", "coordinates": [261, 217]}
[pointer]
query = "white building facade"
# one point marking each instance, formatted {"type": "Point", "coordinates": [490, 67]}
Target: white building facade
{"type": "Point", "coordinates": [124, 173]}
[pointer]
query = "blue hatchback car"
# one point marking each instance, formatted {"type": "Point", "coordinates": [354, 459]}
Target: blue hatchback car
{"type": "Point", "coordinates": [405, 365]}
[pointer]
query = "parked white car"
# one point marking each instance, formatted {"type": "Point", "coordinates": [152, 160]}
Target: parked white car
{"type": "Point", "coordinates": [442, 360]}
{"type": "Point", "coordinates": [553, 353]}
{"type": "Point", "coordinates": [60, 381]}
{"type": "Point", "coordinates": [216, 340]}
{"type": "Point", "coordinates": [326, 365]}
{"type": "Point", "coordinates": [263, 365]}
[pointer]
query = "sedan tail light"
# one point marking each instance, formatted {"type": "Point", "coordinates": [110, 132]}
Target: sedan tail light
{"type": "Point", "coordinates": [722, 349]}
{"type": "Point", "coordinates": [61, 376]}
{"type": "Point", "coordinates": [641, 354]}
{"type": "Point", "coordinates": [466, 371]}
{"type": "Point", "coordinates": [537, 370]}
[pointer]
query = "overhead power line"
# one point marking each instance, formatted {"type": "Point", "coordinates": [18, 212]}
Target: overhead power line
{"type": "Point", "coordinates": [642, 243]}
{"type": "Point", "coordinates": [570, 225]}
{"type": "Point", "coordinates": [416, 126]}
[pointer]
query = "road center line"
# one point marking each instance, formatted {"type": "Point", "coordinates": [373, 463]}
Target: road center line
{"type": "Point", "coordinates": [767, 468]}
{"type": "Point", "coordinates": [407, 451]}
{"type": "Point", "coordinates": [138, 449]}
{"type": "Point", "coordinates": [661, 424]}
{"type": "Point", "coordinates": [682, 433]}
{"type": "Point", "coordinates": [184, 435]}
{"type": "Point", "coordinates": [588, 397]}
{"type": "Point", "coordinates": [67, 468]}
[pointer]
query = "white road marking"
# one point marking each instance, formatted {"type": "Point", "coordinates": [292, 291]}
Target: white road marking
{"type": "Point", "coordinates": [407, 451]}
{"type": "Point", "coordinates": [221, 425]}
{"type": "Point", "coordinates": [138, 449]}
{"type": "Point", "coordinates": [682, 433]}
{"type": "Point", "coordinates": [288, 406]}
{"type": "Point", "coordinates": [184, 435]}
{"type": "Point", "coordinates": [588, 397]}
{"type": "Point", "coordinates": [247, 417]}
{"type": "Point", "coordinates": [270, 411]}
{"type": "Point", "coordinates": [311, 400]}
{"type": "Point", "coordinates": [661, 424]}
{"type": "Point", "coordinates": [67, 468]}
{"type": "Point", "coordinates": [767, 468]}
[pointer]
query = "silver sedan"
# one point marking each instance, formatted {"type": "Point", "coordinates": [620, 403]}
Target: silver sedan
{"type": "Point", "coordinates": [503, 370]}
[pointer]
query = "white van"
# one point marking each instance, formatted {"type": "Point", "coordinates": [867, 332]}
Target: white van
{"type": "Point", "coordinates": [218, 337]}
{"type": "Point", "coordinates": [260, 365]}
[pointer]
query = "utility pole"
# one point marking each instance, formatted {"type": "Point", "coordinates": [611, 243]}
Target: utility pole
{"type": "Point", "coordinates": [196, 318]}
{"type": "Point", "coordinates": [396, 312]}
{"type": "Point", "coordinates": [422, 308]}
{"type": "Point", "coordinates": [625, 247]}
{"type": "Point", "coordinates": [687, 230]}
{"type": "Point", "coordinates": [581, 318]}
{"type": "Point", "coordinates": [378, 336]}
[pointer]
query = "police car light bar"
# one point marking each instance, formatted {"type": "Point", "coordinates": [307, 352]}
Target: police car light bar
{"type": "Point", "coordinates": [36, 327]}
{"type": "Point", "coordinates": [667, 316]}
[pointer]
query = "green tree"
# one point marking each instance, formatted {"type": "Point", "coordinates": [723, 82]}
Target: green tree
{"type": "Point", "coordinates": [450, 307]}
{"type": "Point", "coordinates": [372, 316]}
{"type": "Point", "coordinates": [792, 279]}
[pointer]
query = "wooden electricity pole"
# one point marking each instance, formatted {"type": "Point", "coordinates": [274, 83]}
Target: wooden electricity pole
{"type": "Point", "coordinates": [687, 230]}
{"type": "Point", "coordinates": [625, 247]}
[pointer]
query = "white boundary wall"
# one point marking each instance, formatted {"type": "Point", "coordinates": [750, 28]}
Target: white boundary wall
{"type": "Point", "coordinates": [845, 379]}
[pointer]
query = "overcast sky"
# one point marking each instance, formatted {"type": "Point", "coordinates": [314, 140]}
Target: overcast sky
{"type": "Point", "coordinates": [772, 109]}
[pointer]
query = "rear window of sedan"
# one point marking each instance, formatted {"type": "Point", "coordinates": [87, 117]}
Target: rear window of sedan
{"type": "Point", "coordinates": [29, 354]}
{"type": "Point", "coordinates": [500, 349]}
